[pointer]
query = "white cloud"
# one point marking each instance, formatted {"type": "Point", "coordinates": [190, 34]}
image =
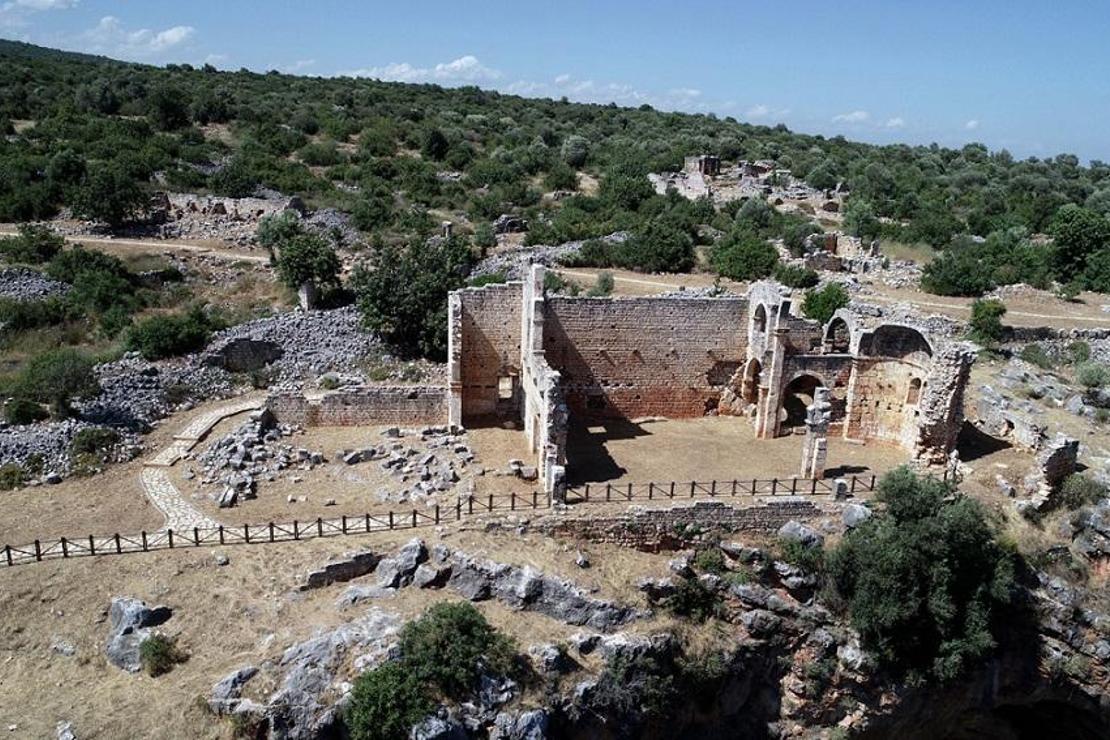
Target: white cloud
{"type": "Point", "coordinates": [110, 37]}
{"type": "Point", "coordinates": [896, 122]}
{"type": "Point", "coordinates": [43, 4]}
{"type": "Point", "coordinates": [856, 116]}
{"type": "Point", "coordinates": [465, 69]}
{"type": "Point", "coordinates": [298, 66]}
{"type": "Point", "coordinates": [761, 112]}
{"type": "Point", "coordinates": [972, 125]}
{"type": "Point", "coordinates": [13, 14]}
{"type": "Point", "coordinates": [689, 93]}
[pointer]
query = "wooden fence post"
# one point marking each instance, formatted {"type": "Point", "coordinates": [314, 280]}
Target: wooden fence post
{"type": "Point", "coordinates": [38, 551]}
{"type": "Point", "coordinates": [512, 501]}
{"type": "Point", "coordinates": [142, 536]}
{"type": "Point", "coordinates": [118, 549]}
{"type": "Point", "coordinates": [368, 524]}
{"type": "Point", "coordinates": [651, 490]}
{"type": "Point", "coordinates": [793, 486]}
{"type": "Point", "coordinates": [247, 533]}
{"type": "Point", "coordinates": [92, 545]}
{"type": "Point", "coordinates": [391, 520]}
{"type": "Point", "coordinates": [196, 536]}
{"type": "Point", "coordinates": [873, 480]}
{"type": "Point", "coordinates": [672, 489]}
{"type": "Point", "coordinates": [586, 497]}
{"type": "Point", "coordinates": [414, 518]}
{"type": "Point", "coordinates": [8, 554]}
{"type": "Point", "coordinates": [65, 549]}
{"type": "Point", "coordinates": [693, 485]}
{"type": "Point", "coordinates": [774, 486]}
{"type": "Point", "coordinates": [169, 535]}
{"type": "Point", "coordinates": [437, 513]}
{"type": "Point", "coordinates": [319, 526]}
{"type": "Point", "coordinates": [296, 530]}
{"type": "Point", "coordinates": [221, 534]}
{"type": "Point", "coordinates": [608, 491]}
{"type": "Point", "coordinates": [270, 528]}
{"type": "Point", "coordinates": [713, 488]}
{"type": "Point", "coordinates": [343, 524]}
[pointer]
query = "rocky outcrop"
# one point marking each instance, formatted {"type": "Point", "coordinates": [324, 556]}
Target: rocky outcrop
{"type": "Point", "coordinates": [131, 621]}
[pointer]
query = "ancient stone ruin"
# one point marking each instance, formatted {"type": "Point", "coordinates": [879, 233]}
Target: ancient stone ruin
{"type": "Point", "coordinates": [518, 355]}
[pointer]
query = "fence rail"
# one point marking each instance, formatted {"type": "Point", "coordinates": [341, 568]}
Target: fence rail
{"type": "Point", "coordinates": [750, 487]}
{"type": "Point", "coordinates": [297, 530]}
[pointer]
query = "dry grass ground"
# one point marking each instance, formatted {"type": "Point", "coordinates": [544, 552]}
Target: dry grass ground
{"type": "Point", "coordinates": [710, 448]}
{"type": "Point", "coordinates": [225, 617]}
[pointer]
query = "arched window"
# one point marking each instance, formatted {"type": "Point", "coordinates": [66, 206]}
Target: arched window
{"type": "Point", "coordinates": [913, 395]}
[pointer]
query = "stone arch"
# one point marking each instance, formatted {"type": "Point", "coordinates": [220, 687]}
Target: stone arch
{"type": "Point", "coordinates": [796, 397]}
{"type": "Point", "coordinates": [749, 384]}
{"type": "Point", "coordinates": [897, 341]}
{"type": "Point", "coordinates": [838, 336]}
{"type": "Point", "coordinates": [759, 319]}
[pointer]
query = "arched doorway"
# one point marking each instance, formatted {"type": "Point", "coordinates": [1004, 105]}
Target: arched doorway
{"type": "Point", "coordinates": [837, 337]}
{"type": "Point", "coordinates": [796, 398]}
{"type": "Point", "coordinates": [749, 385]}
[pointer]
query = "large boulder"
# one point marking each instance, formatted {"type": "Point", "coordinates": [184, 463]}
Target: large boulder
{"type": "Point", "coordinates": [131, 621]}
{"type": "Point", "coordinates": [795, 531]}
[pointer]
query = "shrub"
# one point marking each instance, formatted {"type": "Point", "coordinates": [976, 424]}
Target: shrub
{"type": "Point", "coordinates": [386, 702]}
{"type": "Point", "coordinates": [108, 194]}
{"type": "Point", "coordinates": [492, 278]}
{"type": "Point", "coordinates": [985, 326]}
{"type": "Point", "coordinates": [307, 258]}
{"type": "Point", "coordinates": [170, 335]}
{"type": "Point", "coordinates": [810, 558]}
{"type": "Point", "coordinates": [924, 581]}
{"type": "Point", "coordinates": [12, 476]}
{"type": "Point", "coordinates": [94, 440]}
{"type": "Point", "coordinates": [603, 286]}
{"type": "Point", "coordinates": [659, 246]}
{"type": "Point", "coordinates": [403, 296]}
{"type": "Point", "coordinates": [56, 377]}
{"type": "Point", "coordinates": [20, 411]}
{"type": "Point", "coordinates": [1079, 352]}
{"type": "Point", "coordinates": [636, 687]}
{"type": "Point", "coordinates": [276, 229]}
{"type": "Point", "coordinates": [33, 246]}
{"type": "Point", "coordinates": [694, 601]}
{"type": "Point", "coordinates": [158, 654]}
{"type": "Point", "coordinates": [484, 238]}
{"type": "Point", "coordinates": [1078, 490]}
{"type": "Point", "coordinates": [575, 151]}
{"type": "Point", "coordinates": [796, 276]}
{"type": "Point", "coordinates": [1092, 374]}
{"type": "Point", "coordinates": [448, 646]}
{"type": "Point", "coordinates": [821, 303]}
{"type": "Point", "coordinates": [744, 255]}
{"type": "Point", "coordinates": [710, 560]}
{"type": "Point", "coordinates": [1034, 354]}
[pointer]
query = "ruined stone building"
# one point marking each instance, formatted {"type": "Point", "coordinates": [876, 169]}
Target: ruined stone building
{"type": "Point", "coordinates": [542, 361]}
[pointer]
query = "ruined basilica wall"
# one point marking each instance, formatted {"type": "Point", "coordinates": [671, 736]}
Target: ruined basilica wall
{"type": "Point", "coordinates": [883, 406]}
{"type": "Point", "coordinates": [632, 357]}
{"type": "Point", "coordinates": [834, 372]}
{"type": "Point", "coordinates": [543, 409]}
{"type": "Point", "coordinates": [401, 405]}
{"type": "Point", "coordinates": [489, 350]}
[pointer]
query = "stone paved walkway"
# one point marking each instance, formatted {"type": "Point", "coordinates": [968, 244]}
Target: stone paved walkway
{"type": "Point", "coordinates": [182, 516]}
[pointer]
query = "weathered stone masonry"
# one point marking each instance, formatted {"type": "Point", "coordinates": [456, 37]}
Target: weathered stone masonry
{"type": "Point", "coordinates": [401, 405]}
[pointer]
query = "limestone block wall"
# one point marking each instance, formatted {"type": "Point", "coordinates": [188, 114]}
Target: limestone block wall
{"type": "Point", "coordinates": [653, 530]}
{"type": "Point", "coordinates": [881, 404]}
{"type": "Point", "coordinates": [373, 405]}
{"type": "Point", "coordinates": [543, 408]}
{"type": "Point", "coordinates": [834, 372]}
{"type": "Point", "coordinates": [633, 357]}
{"type": "Point", "coordinates": [488, 354]}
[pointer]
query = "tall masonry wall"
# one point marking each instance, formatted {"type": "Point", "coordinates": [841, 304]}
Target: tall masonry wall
{"type": "Point", "coordinates": [403, 405]}
{"type": "Point", "coordinates": [630, 357]}
{"type": "Point", "coordinates": [485, 356]}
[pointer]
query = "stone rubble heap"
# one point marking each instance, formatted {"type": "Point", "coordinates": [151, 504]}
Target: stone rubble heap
{"type": "Point", "coordinates": [255, 450]}
{"type": "Point", "coordinates": [429, 465]}
{"type": "Point", "coordinates": [25, 284]}
{"type": "Point", "coordinates": [514, 263]}
{"type": "Point", "coordinates": [49, 442]}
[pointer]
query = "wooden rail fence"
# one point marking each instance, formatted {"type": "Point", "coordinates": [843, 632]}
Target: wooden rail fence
{"type": "Point", "coordinates": [297, 530]}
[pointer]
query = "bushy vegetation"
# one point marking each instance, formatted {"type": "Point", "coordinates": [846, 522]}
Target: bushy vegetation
{"type": "Point", "coordinates": [170, 335]}
{"type": "Point", "coordinates": [986, 326]}
{"type": "Point", "coordinates": [744, 255]}
{"type": "Point", "coordinates": [158, 654]}
{"type": "Point", "coordinates": [795, 276]}
{"type": "Point", "coordinates": [24, 411]}
{"type": "Point", "coordinates": [443, 655]}
{"type": "Point", "coordinates": [925, 581]}
{"type": "Point", "coordinates": [57, 377]}
{"type": "Point", "coordinates": [34, 245]}
{"type": "Point", "coordinates": [93, 441]}
{"type": "Point", "coordinates": [821, 303]}
{"type": "Point", "coordinates": [402, 296]}
{"type": "Point", "coordinates": [307, 259]}
{"type": "Point", "coordinates": [1080, 490]}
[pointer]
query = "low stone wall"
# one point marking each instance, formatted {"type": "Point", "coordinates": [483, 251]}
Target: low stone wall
{"type": "Point", "coordinates": [674, 527]}
{"type": "Point", "coordinates": [402, 405]}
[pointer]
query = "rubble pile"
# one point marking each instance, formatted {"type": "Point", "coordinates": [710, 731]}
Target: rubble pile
{"type": "Point", "coordinates": [514, 263]}
{"type": "Point", "coordinates": [257, 449]}
{"type": "Point", "coordinates": [25, 284]}
{"type": "Point", "coordinates": [429, 465]}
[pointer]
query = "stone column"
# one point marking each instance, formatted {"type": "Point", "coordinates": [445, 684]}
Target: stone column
{"type": "Point", "coordinates": [767, 425]}
{"type": "Point", "coordinates": [306, 295]}
{"type": "Point", "coordinates": [454, 360]}
{"type": "Point", "coordinates": [815, 447]}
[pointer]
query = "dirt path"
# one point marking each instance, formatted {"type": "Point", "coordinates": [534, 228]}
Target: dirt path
{"type": "Point", "coordinates": [636, 285]}
{"type": "Point", "coordinates": [160, 245]}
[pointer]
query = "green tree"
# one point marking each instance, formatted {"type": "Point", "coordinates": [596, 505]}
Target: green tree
{"type": "Point", "coordinates": [435, 145]}
{"type": "Point", "coordinates": [1077, 234]}
{"type": "Point", "coordinates": [658, 246]}
{"type": "Point", "coordinates": [402, 295]}
{"type": "Point", "coordinates": [57, 377]}
{"type": "Point", "coordinates": [168, 108]}
{"type": "Point", "coordinates": [108, 194]}
{"type": "Point", "coordinates": [167, 335]}
{"type": "Point", "coordinates": [34, 245]}
{"type": "Point", "coordinates": [743, 255]}
{"type": "Point", "coordinates": [924, 580]}
{"type": "Point", "coordinates": [821, 303]}
{"type": "Point", "coordinates": [985, 326]}
{"type": "Point", "coordinates": [1096, 275]}
{"type": "Point", "coordinates": [575, 151]}
{"type": "Point", "coordinates": [307, 258]}
{"type": "Point", "coordinates": [386, 702]}
{"type": "Point", "coordinates": [860, 220]}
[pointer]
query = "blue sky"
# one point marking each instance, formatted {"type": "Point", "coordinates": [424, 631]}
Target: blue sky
{"type": "Point", "coordinates": [1030, 76]}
